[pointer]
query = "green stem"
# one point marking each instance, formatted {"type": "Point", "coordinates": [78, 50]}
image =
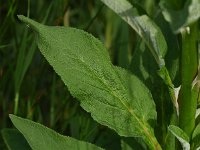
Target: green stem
{"type": "Point", "coordinates": [189, 67]}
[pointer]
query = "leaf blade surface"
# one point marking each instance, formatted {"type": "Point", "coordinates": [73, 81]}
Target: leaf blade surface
{"type": "Point", "coordinates": [85, 67]}
{"type": "Point", "coordinates": [40, 137]}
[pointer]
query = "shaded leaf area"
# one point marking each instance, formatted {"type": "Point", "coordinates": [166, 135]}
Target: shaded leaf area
{"type": "Point", "coordinates": [132, 144]}
{"type": "Point", "coordinates": [152, 36]}
{"type": "Point", "coordinates": [108, 139]}
{"type": "Point", "coordinates": [144, 67]}
{"type": "Point", "coordinates": [84, 65]}
{"type": "Point", "coordinates": [179, 19]}
{"type": "Point", "coordinates": [143, 26]}
{"type": "Point", "coordinates": [40, 137]}
{"type": "Point", "coordinates": [172, 57]}
{"type": "Point", "coordinates": [14, 140]}
{"type": "Point", "coordinates": [181, 136]}
{"type": "Point", "coordinates": [195, 144]}
{"type": "Point", "coordinates": [117, 37]}
{"type": "Point", "coordinates": [172, 60]}
{"type": "Point", "coordinates": [84, 128]}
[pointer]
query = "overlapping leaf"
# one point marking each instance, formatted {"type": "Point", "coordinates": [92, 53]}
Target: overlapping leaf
{"type": "Point", "coordinates": [196, 137]}
{"type": "Point", "coordinates": [181, 18]}
{"type": "Point", "coordinates": [143, 25]}
{"type": "Point", "coordinates": [146, 29]}
{"type": "Point", "coordinates": [112, 95]}
{"type": "Point", "coordinates": [14, 140]}
{"type": "Point", "coordinates": [181, 136]}
{"type": "Point", "coordinates": [40, 137]}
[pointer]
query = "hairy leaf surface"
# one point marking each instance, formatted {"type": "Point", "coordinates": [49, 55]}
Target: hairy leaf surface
{"type": "Point", "coordinates": [40, 137]}
{"type": "Point", "coordinates": [143, 25]}
{"type": "Point", "coordinates": [113, 96]}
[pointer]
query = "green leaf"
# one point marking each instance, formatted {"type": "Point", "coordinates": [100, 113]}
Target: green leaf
{"type": "Point", "coordinates": [112, 95]}
{"type": "Point", "coordinates": [40, 137]}
{"type": "Point", "coordinates": [181, 136]}
{"type": "Point", "coordinates": [146, 29]}
{"type": "Point", "coordinates": [172, 57]}
{"type": "Point", "coordinates": [14, 140]}
{"type": "Point", "coordinates": [196, 137]}
{"type": "Point", "coordinates": [143, 25]}
{"type": "Point", "coordinates": [179, 19]}
{"type": "Point", "coordinates": [166, 78]}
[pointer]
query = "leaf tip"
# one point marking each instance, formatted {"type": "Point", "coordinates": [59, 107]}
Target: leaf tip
{"type": "Point", "coordinates": [13, 118]}
{"type": "Point", "coordinates": [24, 19]}
{"type": "Point", "coordinates": [33, 24]}
{"type": "Point", "coordinates": [11, 115]}
{"type": "Point", "coordinates": [21, 17]}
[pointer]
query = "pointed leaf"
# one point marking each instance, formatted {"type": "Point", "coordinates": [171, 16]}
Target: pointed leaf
{"type": "Point", "coordinates": [84, 65]}
{"type": "Point", "coordinates": [40, 137]}
{"type": "Point", "coordinates": [181, 136]}
{"type": "Point", "coordinates": [143, 25]}
{"type": "Point", "coordinates": [179, 19]}
{"type": "Point", "coordinates": [14, 140]}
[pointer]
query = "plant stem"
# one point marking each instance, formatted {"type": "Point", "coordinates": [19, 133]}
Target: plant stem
{"type": "Point", "coordinates": [189, 67]}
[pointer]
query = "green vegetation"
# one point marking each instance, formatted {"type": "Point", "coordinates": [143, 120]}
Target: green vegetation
{"type": "Point", "coordinates": [123, 94]}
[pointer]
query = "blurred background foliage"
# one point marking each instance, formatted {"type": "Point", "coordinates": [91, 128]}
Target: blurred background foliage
{"type": "Point", "coordinates": [30, 88]}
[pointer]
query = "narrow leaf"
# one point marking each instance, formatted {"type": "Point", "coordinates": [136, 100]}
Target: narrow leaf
{"type": "Point", "coordinates": [179, 19]}
{"type": "Point", "coordinates": [196, 137]}
{"type": "Point", "coordinates": [166, 78]}
{"type": "Point", "coordinates": [143, 25]}
{"type": "Point", "coordinates": [85, 67]}
{"type": "Point", "coordinates": [40, 137]}
{"type": "Point", "coordinates": [14, 140]}
{"type": "Point", "coordinates": [181, 136]}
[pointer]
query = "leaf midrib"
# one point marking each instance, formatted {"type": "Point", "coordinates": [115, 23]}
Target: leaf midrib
{"type": "Point", "coordinates": [114, 94]}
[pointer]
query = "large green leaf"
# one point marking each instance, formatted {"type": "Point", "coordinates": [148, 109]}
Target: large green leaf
{"type": "Point", "coordinates": [14, 140]}
{"type": "Point", "coordinates": [40, 137]}
{"type": "Point", "coordinates": [113, 96]}
{"type": "Point", "coordinates": [179, 19]}
{"type": "Point", "coordinates": [143, 25]}
{"type": "Point", "coordinates": [181, 136]}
